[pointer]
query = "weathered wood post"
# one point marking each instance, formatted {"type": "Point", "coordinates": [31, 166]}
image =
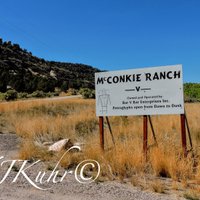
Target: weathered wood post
{"type": "Point", "coordinates": [101, 131]}
{"type": "Point", "coordinates": [183, 135]}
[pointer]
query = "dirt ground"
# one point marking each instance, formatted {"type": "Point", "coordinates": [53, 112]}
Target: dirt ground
{"type": "Point", "coordinates": [68, 189]}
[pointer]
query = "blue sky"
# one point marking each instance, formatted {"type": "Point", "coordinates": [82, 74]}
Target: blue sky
{"type": "Point", "coordinates": [107, 34]}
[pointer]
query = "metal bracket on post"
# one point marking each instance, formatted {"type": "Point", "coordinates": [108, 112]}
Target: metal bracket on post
{"type": "Point", "coordinates": [109, 126]}
{"type": "Point", "coordinates": [101, 131]}
{"type": "Point", "coordinates": [145, 136]}
{"type": "Point", "coordinates": [153, 131]}
{"type": "Point", "coordinates": [189, 133]}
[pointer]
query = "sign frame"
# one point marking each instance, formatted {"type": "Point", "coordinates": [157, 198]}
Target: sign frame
{"type": "Point", "coordinates": [183, 120]}
{"type": "Point", "coordinates": [143, 91]}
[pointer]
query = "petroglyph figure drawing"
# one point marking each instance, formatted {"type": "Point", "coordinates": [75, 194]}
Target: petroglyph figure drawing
{"type": "Point", "coordinates": [103, 100]}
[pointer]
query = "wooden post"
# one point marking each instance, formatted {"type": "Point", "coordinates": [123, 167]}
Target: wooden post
{"type": "Point", "coordinates": [145, 135]}
{"type": "Point", "coordinates": [183, 135]}
{"type": "Point", "coordinates": [101, 131]}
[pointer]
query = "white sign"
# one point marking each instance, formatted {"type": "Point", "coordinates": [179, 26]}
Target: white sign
{"type": "Point", "coordinates": [149, 91]}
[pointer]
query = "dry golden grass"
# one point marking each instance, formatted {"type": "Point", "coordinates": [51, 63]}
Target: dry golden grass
{"type": "Point", "coordinates": [158, 187]}
{"type": "Point", "coordinates": [192, 195]}
{"type": "Point", "coordinates": [48, 121]}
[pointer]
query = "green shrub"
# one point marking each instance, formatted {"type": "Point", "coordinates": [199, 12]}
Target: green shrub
{"type": "Point", "coordinates": [64, 86]}
{"type": "Point", "coordinates": [87, 93]}
{"type": "Point", "coordinates": [2, 96]}
{"type": "Point", "coordinates": [11, 95]}
{"type": "Point", "coordinates": [72, 91]}
{"type": "Point", "coordinates": [192, 92]}
{"type": "Point", "coordinates": [56, 94]}
{"type": "Point", "coordinates": [51, 94]}
{"type": "Point", "coordinates": [38, 94]}
{"type": "Point", "coordinates": [22, 95]}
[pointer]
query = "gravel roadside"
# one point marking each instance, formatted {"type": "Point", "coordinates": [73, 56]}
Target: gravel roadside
{"type": "Point", "coordinates": [68, 189]}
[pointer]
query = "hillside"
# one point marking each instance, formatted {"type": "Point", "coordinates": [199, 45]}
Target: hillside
{"type": "Point", "coordinates": [22, 71]}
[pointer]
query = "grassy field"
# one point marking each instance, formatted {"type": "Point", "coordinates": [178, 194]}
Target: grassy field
{"type": "Point", "coordinates": [48, 121]}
